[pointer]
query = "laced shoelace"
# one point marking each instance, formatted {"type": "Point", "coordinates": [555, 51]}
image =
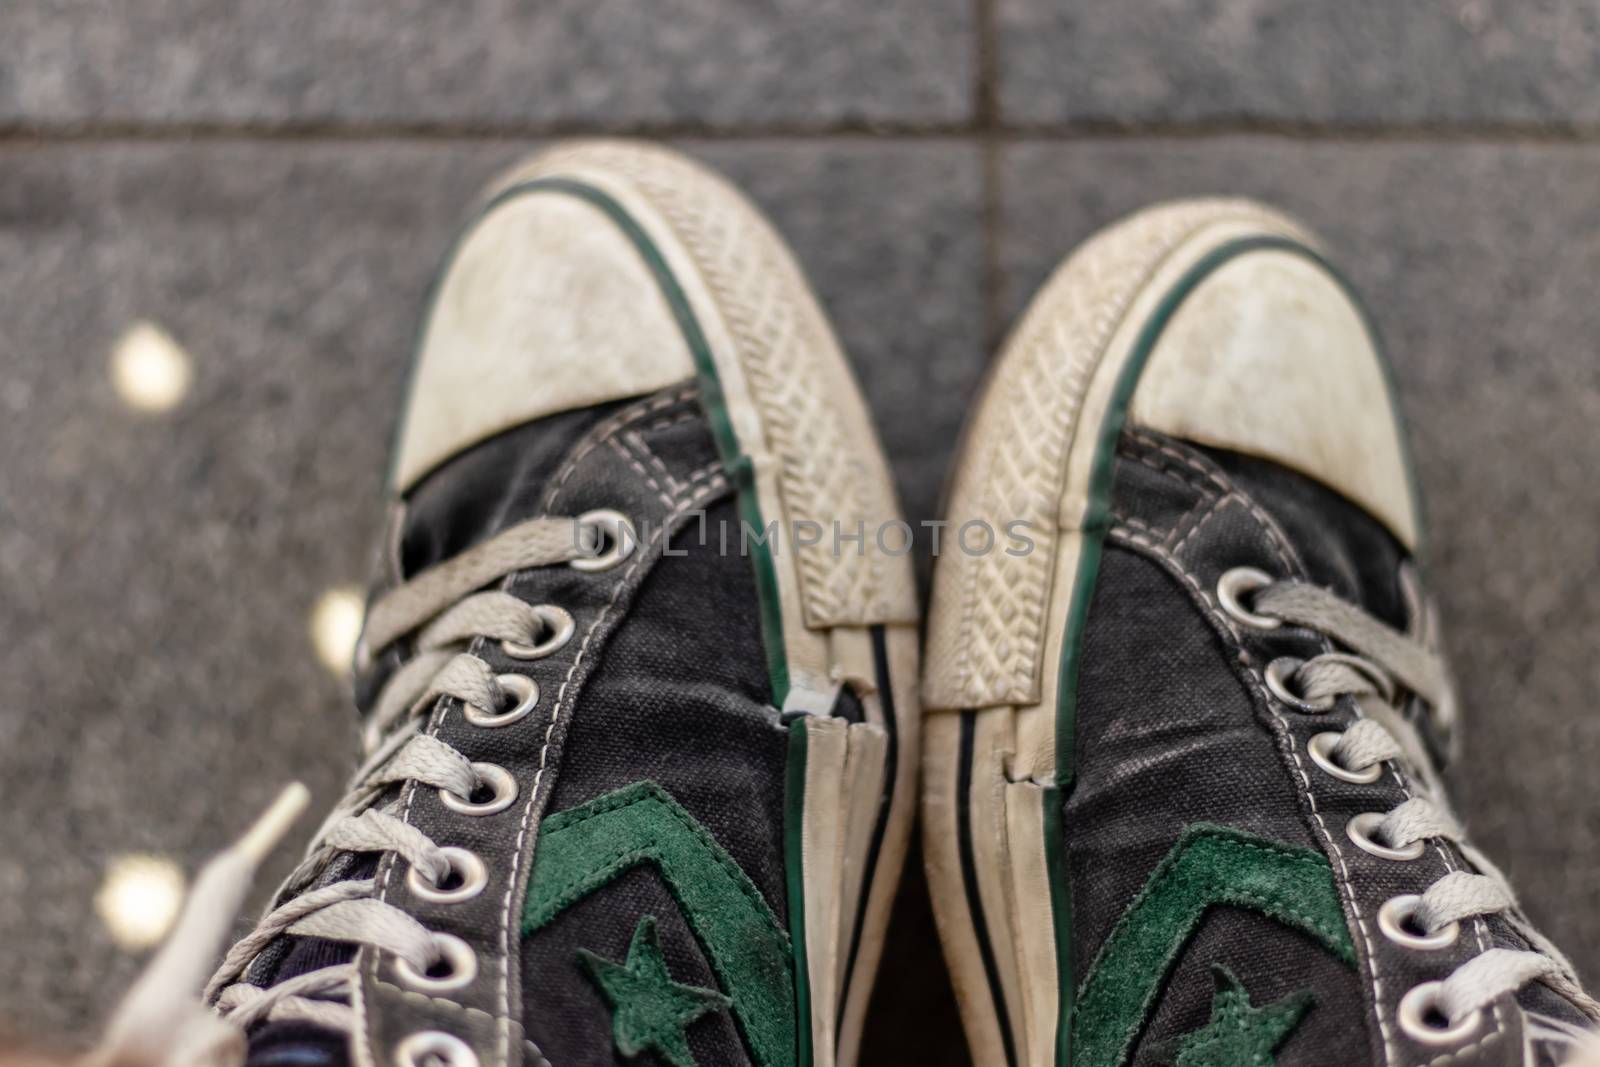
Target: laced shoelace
{"type": "Point", "coordinates": [1380, 661]}
{"type": "Point", "coordinates": [161, 1022]}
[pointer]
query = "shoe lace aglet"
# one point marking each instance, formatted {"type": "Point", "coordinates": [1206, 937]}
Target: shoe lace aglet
{"type": "Point", "coordinates": [161, 1022]}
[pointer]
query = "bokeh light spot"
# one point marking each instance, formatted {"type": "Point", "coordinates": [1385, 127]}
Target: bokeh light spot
{"type": "Point", "coordinates": [139, 899]}
{"type": "Point", "coordinates": [336, 626]}
{"type": "Point", "coordinates": [149, 370]}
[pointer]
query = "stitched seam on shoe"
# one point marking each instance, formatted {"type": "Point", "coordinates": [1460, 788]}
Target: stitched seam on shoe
{"type": "Point", "coordinates": [411, 994]}
{"type": "Point", "coordinates": [638, 468]}
{"type": "Point", "coordinates": [1136, 538]}
{"type": "Point", "coordinates": [630, 444]}
{"type": "Point", "coordinates": [717, 853]}
{"type": "Point", "coordinates": [1216, 476]}
{"type": "Point", "coordinates": [604, 430]}
{"type": "Point", "coordinates": [675, 486]}
{"type": "Point", "coordinates": [524, 825]}
{"type": "Point", "coordinates": [642, 447]}
{"type": "Point", "coordinates": [597, 436]}
{"type": "Point", "coordinates": [1290, 560]}
{"type": "Point", "coordinates": [667, 422]}
{"type": "Point", "coordinates": [1479, 930]}
{"type": "Point", "coordinates": [1197, 514]}
{"type": "Point", "coordinates": [1140, 525]}
{"type": "Point", "coordinates": [1286, 740]}
{"type": "Point", "coordinates": [1199, 523]}
{"type": "Point", "coordinates": [1206, 478]}
{"type": "Point", "coordinates": [1188, 461]}
{"type": "Point", "coordinates": [1288, 853]}
{"type": "Point", "coordinates": [1483, 1042]}
{"type": "Point", "coordinates": [1172, 473]}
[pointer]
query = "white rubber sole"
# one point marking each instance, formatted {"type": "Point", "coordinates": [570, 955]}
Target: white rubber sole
{"type": "Point", "coordinates": [786, 407]}
{"type": "Point", "coordinates": [998, 624]}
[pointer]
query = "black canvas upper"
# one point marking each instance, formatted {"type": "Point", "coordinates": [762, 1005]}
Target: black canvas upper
{"type": "Point", "coordinates": [670, 687]}
{"type": "Point", "coordinates": [1174, 729]}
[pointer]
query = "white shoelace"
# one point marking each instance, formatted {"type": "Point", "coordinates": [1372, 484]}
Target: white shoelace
{"type": "Point", "coordinates": [1381, 658]}
{"type": "Point", "coordinates": [162, 1023]}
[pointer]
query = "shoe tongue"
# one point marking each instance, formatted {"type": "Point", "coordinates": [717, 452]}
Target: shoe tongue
{"type": "Point", "coordinates": [297, 1044]}
{"type": "Point", "coordinates": [300, 1044]}
{"type": "Point", "coordinates": [488, 487]}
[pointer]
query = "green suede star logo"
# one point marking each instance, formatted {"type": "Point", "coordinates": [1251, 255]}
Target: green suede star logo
{"type": "Point", "coordinates": [1239, 1034]}
{"type": "Point", "coordinates": [648, 1009]}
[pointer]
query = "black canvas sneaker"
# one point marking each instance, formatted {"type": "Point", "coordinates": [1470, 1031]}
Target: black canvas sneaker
{"type": "Point", "coordinates": [1181, 782]}
{"type": "Point", "coordinates": [639, 697]}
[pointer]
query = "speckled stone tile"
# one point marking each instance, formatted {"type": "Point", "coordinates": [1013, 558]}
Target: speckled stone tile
{"type": "Point", "coordinates": [1356, 63]}
{"type": "Point", "coordinates": [419, 63]}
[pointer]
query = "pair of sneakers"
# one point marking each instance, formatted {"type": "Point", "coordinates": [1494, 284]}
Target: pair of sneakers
{"type": "Point", "coordinates": [644, 720]}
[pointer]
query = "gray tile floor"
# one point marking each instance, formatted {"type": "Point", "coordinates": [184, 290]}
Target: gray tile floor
{"type": "Point", "coordinates": [272, 183]}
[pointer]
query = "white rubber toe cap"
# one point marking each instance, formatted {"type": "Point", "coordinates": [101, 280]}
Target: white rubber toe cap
{"type": "Point", "coordinates": [544, 307]}
{"type": "Point", "coordinates": [1270, 356]}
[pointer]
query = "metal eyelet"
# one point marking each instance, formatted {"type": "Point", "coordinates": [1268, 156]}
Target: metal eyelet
{"type": "Point", "coordinates": [456, 954]}
{"type": "Point", "coordinates": [434, 1048]}
{"type": "Point", "coordinates": [1321, 748]}
{"type": "Point", "coordinates": [1422, 1002]}
{"type": "Point", "coordinates": [520, 686]}
{"type": "Point", "coordinates": [612, 525]}
{"type": "Point", "coordinates": [1397, 912]}
{"type": "Point", "coordinates": [1277, 676]}
{"type": "Point", "coordinates": [496, 778]}
{"type": "Point", "coordinates": [467, 868]}
{"type": "Point", "coordinates": [558, 630]}
{"type": "Point", "coordinates": [1238, 583]}
{"type": "Point", "coordinates": [1360, 830]}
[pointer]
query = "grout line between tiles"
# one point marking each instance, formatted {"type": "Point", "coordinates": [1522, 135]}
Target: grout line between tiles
{"type": "Point", "coordinates": [15, 134]}
{"type": "Point", "coordinates": [991, 210]}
